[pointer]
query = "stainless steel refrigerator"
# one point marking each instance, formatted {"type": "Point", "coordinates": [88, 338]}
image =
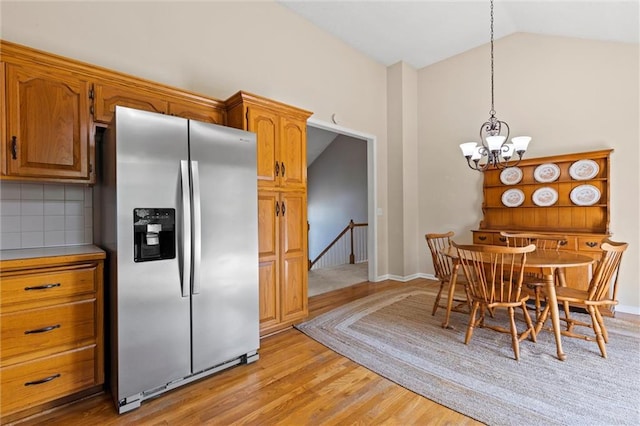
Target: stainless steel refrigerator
{"type": "Point", "coordinates": [176, 211]}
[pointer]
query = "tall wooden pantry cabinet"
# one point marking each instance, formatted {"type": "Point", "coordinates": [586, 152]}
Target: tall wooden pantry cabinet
{"type": "Point", "coordinates": [282, 205]}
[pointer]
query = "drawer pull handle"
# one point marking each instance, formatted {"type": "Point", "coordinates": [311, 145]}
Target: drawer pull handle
{"type": "Point", "coordinates": [41, 381]}
{"type": "Point", "coordinates": [503, 239]}
{"type": "Point", "coordinates": [563, 242]}
{"type": "Point", "coordinates": [42, 287]}
{"type": "Point", "coordinates": [43, 329]}
{"type": "Point", "coordinates": [482, 238]}
{"type": "Point", "coordinates": [591, 243]}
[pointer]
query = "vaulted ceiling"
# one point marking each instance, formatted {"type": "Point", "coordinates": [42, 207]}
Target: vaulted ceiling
{"type": "Point", "coordinates": [423, 32]}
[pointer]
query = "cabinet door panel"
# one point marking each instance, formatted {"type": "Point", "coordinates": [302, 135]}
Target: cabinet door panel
{"type": "Point", "coordinates": [268, 247]}
{"type": "Point", "coordinates": [269, 301]}
{"type": "Point", "coordinates": [265, 125]}
{"type": "Point", "coordinates": [293, 286]}
{"type": "Point", "coordinates": [107, 97]}
{"type": "Point", "coordinates": [195, 111]}
{"type": "Point", "coordinates": [293, 155]}
{"type": "Point", "coordinates": [48, 118]}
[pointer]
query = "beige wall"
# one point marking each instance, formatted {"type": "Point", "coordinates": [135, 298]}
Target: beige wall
{"type": "Point", "coordinates": [218, 48]}
{"type": "Point", "coordinates": [570, 95]}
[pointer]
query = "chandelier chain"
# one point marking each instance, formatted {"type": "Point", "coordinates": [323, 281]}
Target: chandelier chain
{"type": "Point", "coordinates": [492, 112]}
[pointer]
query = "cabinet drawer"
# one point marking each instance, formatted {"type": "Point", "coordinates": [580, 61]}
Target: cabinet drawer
{"type": "Point", "coordinates": [30, 383]}
{"type": "Point", "coordinates": [589, 243]}
{"type": "Point", "coordinates": [482, 238]}
{"type": "Point", "coordinates": [37, 331]}
{"type": "Point", "coordinates": [47, 285]}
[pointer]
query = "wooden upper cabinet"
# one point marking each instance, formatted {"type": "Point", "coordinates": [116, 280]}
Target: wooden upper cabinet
{"type": "Point", "coordinates": [293, 152]}
{"type": "Point", "coordinates": [265, 125]}
{"type": "Point", "coordinates": [108, 96]}
{"type": "Point", "coordinates": [47, 135]}
{"type": "Point", "coordinates": [207, 113]}
{"type": "Point", "coordinates": [281, 139]}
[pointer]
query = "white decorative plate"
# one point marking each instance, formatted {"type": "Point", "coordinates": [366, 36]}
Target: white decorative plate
{"type": "Point", "coordinates": [585, 195]}
{"type": "Point", "coordinates": [512, 197]}
{"type": "Point", "coordinates": [511, 175]}
{"type": "Point", "coordinates": [584, 169]}
{"type": "Point", "coordinates": [545, 197]}
{"type": "Point", "coordinates": [547, 172]}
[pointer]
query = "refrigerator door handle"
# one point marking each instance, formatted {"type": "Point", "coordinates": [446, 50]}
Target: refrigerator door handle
{"type": "Point", "coordinates": [186, 228]}
{"type": "Point", "coordinates": [197, 228]}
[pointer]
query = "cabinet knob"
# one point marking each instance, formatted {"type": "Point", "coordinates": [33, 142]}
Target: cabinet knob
{"type": "Point", "coordinates": [277, 209]}
{"type": "Point", "coordinates": [277, 168]}
{"type": "Point", "coordinates": [283, 209]}
{"type": "Point", "coordinates": [282, 167]}
{"type": "Point", "coordinates": [14, 147]}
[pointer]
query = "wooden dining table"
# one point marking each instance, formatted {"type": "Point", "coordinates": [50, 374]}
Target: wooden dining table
{"type": "Point", "coordinates": [549, 261]}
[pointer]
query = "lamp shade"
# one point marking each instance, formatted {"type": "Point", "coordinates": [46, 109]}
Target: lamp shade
{"type": "Point", "coordinates": [468, 148]}
{"type": "Point", "coordinates": [520, 143]}
{"type": "Point", "coordinates": [477, 153]}
{"type": "Point", "coordinates": [495, 142]}
{"type": "Point", "coordinates": [508, 152]}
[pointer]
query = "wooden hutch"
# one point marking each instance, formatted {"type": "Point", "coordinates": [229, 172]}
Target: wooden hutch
{"type": "Point", "coordinates": [564, 194]}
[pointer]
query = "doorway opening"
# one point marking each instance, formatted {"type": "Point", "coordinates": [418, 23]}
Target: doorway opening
{"type": "Point", "coordinates": [341, 190]}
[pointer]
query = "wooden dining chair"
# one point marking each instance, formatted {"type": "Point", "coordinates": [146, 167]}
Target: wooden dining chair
{"type": "Point", "coordinates": [495, 275]}
{"type": "Point", "coordinates": [534, 280]}
{"type": "Point", "coordinates": [602, 292]}
{"type": "Point", "coordinates": [443, 266]}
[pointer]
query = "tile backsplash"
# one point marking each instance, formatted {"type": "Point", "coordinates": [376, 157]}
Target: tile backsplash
{"type": "Point", "coordinates": [44, 215]}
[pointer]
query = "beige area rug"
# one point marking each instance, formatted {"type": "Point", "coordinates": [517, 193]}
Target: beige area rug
{"type": "Point", "coordinates": [394, 334]}
{"type": "Point", "coordinates": [327, 279]}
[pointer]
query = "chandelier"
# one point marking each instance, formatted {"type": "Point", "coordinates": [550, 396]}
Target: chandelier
{"type": "Point", "coordinates": [493, 149]}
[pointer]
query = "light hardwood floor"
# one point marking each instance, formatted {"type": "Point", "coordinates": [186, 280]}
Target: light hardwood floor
{"type": "Point", "coordinates": [297, 381]}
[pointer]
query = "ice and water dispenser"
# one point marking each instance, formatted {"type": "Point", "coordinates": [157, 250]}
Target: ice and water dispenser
{"type": "Point", "coordinates": [154, 234]}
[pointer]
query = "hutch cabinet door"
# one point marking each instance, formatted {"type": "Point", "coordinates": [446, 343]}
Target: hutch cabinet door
{"type": "Point", "coordinates": [47, 124]}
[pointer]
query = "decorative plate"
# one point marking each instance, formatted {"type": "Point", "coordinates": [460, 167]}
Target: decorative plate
{"type": "Point", "coordinates": [584, 169]}
{"type": "Point", "coordinates": [547, 172]}
{"type": "Point", "coordinates": [511, 175]}
{"type": "Point", "coordinates": [585, 195]}
{"type": "Point", "coordinates": [512, 197]}
{"type": "Point", "coordinates": [545, 197]}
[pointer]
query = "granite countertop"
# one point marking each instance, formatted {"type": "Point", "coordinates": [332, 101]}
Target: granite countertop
{"type": "Point", "coordinates": [40, 252]}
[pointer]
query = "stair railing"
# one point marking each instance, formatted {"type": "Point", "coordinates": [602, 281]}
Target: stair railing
{"type": "Point", "coordinates": [349, 228]}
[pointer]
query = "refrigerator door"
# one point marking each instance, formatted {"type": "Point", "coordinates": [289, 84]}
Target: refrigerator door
{"type": "Point", "coordinates": [225, 288]}
{"type": "Point", "coordinates": [153, 318]}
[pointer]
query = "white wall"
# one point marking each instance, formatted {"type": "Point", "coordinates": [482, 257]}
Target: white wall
{"type": "Point", "coordinates": [336, 191]}
{"type": "Point", "coordinates": [218, 48]}
{"type": "Point", "coordinates": [570, 95]}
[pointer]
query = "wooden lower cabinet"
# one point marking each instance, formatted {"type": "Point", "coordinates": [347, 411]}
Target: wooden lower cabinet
{"type": "Point", "coordinates": [282, 245]}
{"type": "Point", "coordinates": [52, 331]}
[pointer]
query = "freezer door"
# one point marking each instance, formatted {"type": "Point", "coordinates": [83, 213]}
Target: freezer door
{"type": "Point", "coordinates": [153, 318]}
{"type": "Point", "coordinates": [225, 288]}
